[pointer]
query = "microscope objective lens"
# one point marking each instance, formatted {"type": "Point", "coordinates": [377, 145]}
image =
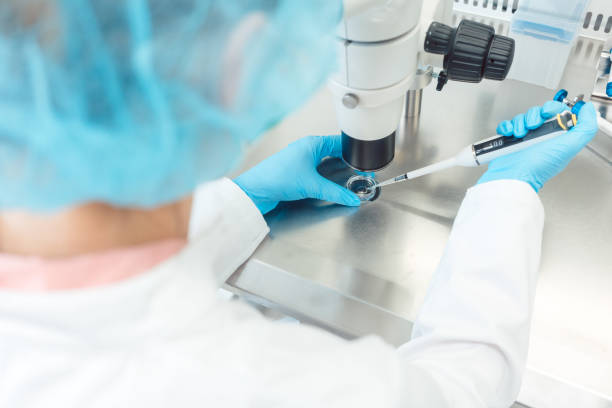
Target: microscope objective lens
{"type": "Point", "coordinates": [364, 186]}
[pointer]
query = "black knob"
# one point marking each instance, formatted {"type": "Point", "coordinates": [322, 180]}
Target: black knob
{"type": "Point", "coordinates": [471, 51]}
{"type": "Point", "coordinates": [442, 80]}
{"type": "Point", "coordinates": [438, 38]}
{"type": "Point", "coordinates": [466, 60]}
{"type": "Point", "coordinates": [500, 58]}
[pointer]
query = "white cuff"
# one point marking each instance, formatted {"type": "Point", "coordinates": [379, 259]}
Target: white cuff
{"type": "Point", "coordinates": [223, 197]}
{"type": "Point", "coordinates": [503, 195]}
{"type": "Point", "coordinates": [226, 220]}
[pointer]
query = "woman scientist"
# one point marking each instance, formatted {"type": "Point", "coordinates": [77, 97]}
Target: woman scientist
{"type": "Point", "coordinates": [113, 114]}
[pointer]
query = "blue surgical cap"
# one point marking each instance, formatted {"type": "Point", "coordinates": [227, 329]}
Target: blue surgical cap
{"type": "Point", "coordinates": [134, 103]}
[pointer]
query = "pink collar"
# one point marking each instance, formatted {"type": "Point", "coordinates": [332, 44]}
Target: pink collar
{"type": "Point", "coordinates": [42, 274]}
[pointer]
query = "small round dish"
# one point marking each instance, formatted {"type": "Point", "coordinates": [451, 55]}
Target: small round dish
{"type": "Point", "coordinates": [364, 186]}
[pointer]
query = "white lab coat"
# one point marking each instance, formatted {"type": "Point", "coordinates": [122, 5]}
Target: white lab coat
{"type": "Point", "coordinates": [165, 339]}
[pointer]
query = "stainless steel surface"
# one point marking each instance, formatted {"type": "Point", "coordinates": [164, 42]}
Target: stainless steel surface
{"type": "Point", "coordinates": [360, 271]}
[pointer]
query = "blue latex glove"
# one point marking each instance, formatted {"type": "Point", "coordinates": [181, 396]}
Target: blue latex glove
{"type": "Point", "coordinates": [541, 162]}
{"type": "Point", "coordinates": [291, 174]}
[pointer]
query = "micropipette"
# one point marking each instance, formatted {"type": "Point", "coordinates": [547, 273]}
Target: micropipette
{"type": "Point", "coordinates": [486, 150]}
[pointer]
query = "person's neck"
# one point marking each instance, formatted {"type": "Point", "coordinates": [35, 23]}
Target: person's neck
{"type": "Point", "coordinates": [90, 228]}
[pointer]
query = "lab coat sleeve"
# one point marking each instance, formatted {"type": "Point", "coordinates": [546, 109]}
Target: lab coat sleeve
{"type": "Point", "coordinates": [469, 342]}
{"type": "Point", "coordinates": [222, 213]}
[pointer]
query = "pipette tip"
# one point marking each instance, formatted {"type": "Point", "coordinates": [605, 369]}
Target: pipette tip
{"type": "Point", "coordinates": [392, 181]}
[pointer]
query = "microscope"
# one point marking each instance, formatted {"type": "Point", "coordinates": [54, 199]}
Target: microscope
{"type": "Point", "coordinates": [381, 49]}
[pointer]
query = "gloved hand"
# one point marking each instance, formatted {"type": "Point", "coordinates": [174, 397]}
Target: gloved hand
{"type": "Point", "coordinates": [541, 162]}
{"type": "Point", "coordinates": [291, 174]}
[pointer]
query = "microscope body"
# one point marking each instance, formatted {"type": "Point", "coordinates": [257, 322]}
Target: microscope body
{"type": "Point", "coordinates": [381, 45]}
{"type": "Point", "coordinates": [378, 46]}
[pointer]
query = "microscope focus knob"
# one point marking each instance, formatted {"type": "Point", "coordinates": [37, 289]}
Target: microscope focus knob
{"type": "Point", "coordinates": [471, 51]}
{"type": "Point", "coordinates": [438, 38]}
{"type": "Point", "coordinates": [500, 58]}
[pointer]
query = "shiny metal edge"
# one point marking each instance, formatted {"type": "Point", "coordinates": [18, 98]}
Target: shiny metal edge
{"type": "Point", "coordinates": [342, 314]}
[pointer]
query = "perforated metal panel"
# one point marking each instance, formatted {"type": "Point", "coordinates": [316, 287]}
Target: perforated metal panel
{"type": "Point", "coordinates": [500, 9]}
{"type": "Point", "coordinates": [597, 23]}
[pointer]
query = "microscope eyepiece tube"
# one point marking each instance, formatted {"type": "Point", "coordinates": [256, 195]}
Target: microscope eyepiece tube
{"type": "Point", "coordinates": [368, 155]}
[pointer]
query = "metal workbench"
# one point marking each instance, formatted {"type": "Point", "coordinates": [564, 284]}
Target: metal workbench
{"type": "Point", "coordinates": [366, 270]}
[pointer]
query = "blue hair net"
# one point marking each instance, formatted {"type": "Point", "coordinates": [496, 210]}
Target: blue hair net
{"type": "Point", "coordinates": [135, 102]}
